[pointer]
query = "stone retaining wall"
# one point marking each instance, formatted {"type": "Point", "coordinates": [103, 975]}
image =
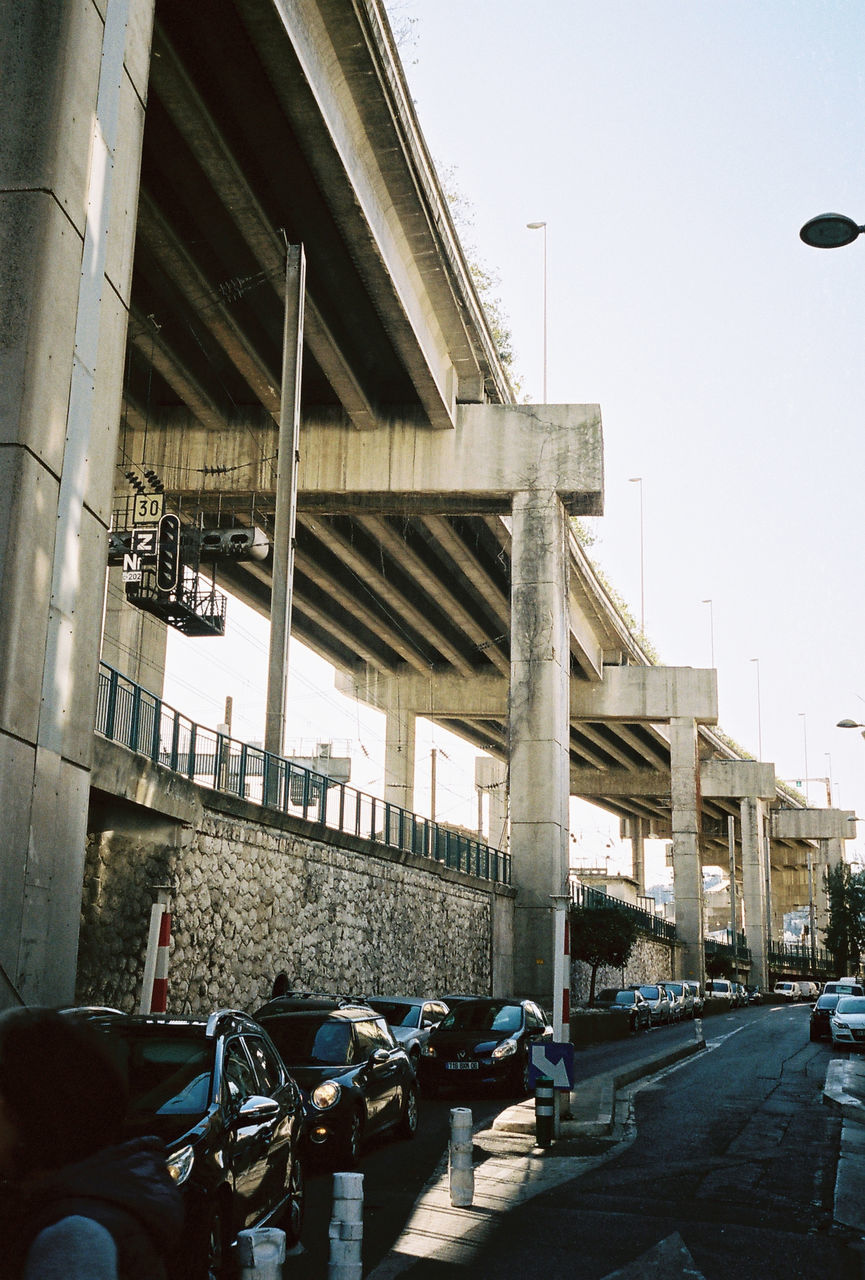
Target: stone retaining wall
{"type": "Point", "coordinates": [257, 892]}
{"type": "Point", "coordinates": [650, 960]}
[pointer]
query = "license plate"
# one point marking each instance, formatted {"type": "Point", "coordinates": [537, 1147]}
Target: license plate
{"type": "Point", "coordinates": [461, 1066]}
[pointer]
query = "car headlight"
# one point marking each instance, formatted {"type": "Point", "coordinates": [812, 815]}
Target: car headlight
{"type": "Point", "coordinates": [179, 1164]}
{"type": "Point", "coordinates": [843, 1026]}
{"type": "Point", "coordinates": [326, 1095]}
{"type": "Point", "coordinates": [506, 1049]}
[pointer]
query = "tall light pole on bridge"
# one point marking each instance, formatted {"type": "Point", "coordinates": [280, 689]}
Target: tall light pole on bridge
{"type": "Point", "coordinates": [639, 480]}
{"type": "Point", "coordinates": [542, 226]}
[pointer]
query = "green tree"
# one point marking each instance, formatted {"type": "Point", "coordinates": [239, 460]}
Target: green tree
{"type": "Point", "coordinates": [845, 935]}
{"type": "Point", "coordinates": [602, 936]}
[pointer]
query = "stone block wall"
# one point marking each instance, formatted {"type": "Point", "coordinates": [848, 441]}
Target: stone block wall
{"type": "Point", "coordinates": [650, 960]}
{"type": "Point", "coordinates": [257, 893]}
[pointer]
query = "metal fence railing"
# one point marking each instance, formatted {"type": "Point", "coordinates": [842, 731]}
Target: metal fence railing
{"type": "Point", "coordinates": [582, 895]}
{"type": "Point", "coordinates": [800, 958]}
{"type": "Point", "coordinates": [129, 714]}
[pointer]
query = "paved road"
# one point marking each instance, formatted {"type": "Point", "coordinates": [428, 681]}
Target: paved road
{"type": "Point", "coordinates": [395, 1172]}
{"type": "Point", "coordinates": [732, 1159]}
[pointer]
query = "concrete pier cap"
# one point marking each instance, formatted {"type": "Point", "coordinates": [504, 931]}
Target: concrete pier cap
{"type": "Point", "coordinates": [814, 824]}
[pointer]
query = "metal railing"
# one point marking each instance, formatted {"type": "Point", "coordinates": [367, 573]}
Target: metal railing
{"type": "Point", "coordinates": [800, 958]}
{"type": "Point", "coordinates": [582, 895]}
{"type": "Point", "coordinates": [129, 714]}
{"type": "Point", "coordinates": [725, 951]}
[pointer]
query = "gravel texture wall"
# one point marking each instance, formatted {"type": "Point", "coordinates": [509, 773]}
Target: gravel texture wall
{"type": "Point", "coordinates": [650, 960]}
{"type": "Point", "coordinates": [253, 899]}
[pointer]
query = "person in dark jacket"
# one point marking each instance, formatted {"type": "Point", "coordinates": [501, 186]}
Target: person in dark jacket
{"type": "Point", "coordinates": [75, 1202]}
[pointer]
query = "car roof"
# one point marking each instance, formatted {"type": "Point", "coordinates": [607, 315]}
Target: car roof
{"type": "Point", "coordinates": [340, 1013]}
{"type": "Point", "coordinates": [219, 1022]}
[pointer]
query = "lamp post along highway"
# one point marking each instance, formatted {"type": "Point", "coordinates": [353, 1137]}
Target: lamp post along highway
{"type": "Point", "coordinates": [830, 231]}
{"type": "Point", "coordinates": [542, 226]}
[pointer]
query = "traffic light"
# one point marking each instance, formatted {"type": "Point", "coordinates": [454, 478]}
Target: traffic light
{"type": "Point", "coordinates": [168, 554]}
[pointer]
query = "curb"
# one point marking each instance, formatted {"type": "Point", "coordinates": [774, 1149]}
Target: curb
{"type": "Point", "coordinates": [598, 1095]}
{"type": "Point", "coordinates": [840, 1092]}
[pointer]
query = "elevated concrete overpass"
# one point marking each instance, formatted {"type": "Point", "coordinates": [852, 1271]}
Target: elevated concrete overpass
{"type": "Point", "coordinates": [161, 164]}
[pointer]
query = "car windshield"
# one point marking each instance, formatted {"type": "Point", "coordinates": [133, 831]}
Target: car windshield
{"type": "Point", "coordinates": [398, 1013]}
{"type": "Point", "coordinates": [311, 1040]}
{"type": "Point", "coordinates": [651, 993]}
{"type": "Point", "coordinates": [484, 1017]}
{"type": "Point", "coordinates": [828, 1002]}
{"type": "Point", "coordinates": [851, 1004]}
{"type": "Point", "coordinates": [170, 1069]}
{"type": "Point", "coordinates": [675, 987]}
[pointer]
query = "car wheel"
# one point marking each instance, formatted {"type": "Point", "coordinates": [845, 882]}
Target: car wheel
{"type": "Point", "coordinates": [520, 1077]}
{"type": "Point", "coordinates": [215, 1247]}
{"type": "Point", "coordinates": [353, 1140]}
{"type": "Point", "coordinates": [292, 1218]}
{"type": "Point", "coordinates": [407, 1126]}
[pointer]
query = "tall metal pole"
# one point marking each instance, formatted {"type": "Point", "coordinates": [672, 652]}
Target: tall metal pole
{"type": "Point", "coordinates": [734, 932]}
{"type": "Point", "coordinates": [542, 226]}
{"type": "Point", "coordinates": [639, 480]}
{"type": "Point", "coordinates": [286, 500]}
{"type": "Point", "coordinates": [759, 714]}
{"type": "Point", "coordinates": [711, 630]}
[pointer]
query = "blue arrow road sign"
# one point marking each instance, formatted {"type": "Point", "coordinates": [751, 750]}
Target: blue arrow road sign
{"type": "Point", "coordinates": [554, 1059]}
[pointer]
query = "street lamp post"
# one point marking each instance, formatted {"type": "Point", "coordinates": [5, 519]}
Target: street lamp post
{"type": "Point", "coordinates": [830, 231]}
{"type": "Point", "coordinates": [639, 480]}
{"type": "Point", "coordinates": [711, 629]}
{"type": "Point", "coordinates": [542, 226]}
{"type": "Point", "coordinates": [759, 713]}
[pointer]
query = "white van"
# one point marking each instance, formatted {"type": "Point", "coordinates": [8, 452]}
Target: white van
{"type": "Point", "coordinates": [720, 989]}
{"type": "Point", "coordinates": [787, 990]}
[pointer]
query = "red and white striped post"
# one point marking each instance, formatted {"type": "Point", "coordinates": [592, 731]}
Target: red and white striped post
{"type": "Point", "coordinates": [154, 986]}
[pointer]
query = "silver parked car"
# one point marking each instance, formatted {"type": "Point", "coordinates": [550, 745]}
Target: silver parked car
{"type": "Point", "coordinates": [660, 1008]}
{"type": "Point", "coordinates": [411, 1019]}
{"type": "Point", "coordinates": [684, 998]}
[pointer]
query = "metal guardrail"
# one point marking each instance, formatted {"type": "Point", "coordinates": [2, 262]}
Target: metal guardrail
{"type": "Point", "coordinates": [582, 895]}
{"type": "Point", "coordinates": [129, 714]}
{"type": "Point", "coordinates": [800, 958]}
{"type": "Point", "coordinates": [725, 950]}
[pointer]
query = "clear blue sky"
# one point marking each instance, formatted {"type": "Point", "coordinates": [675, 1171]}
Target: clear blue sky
{"type": "Point", "coordinates": [674, 148]}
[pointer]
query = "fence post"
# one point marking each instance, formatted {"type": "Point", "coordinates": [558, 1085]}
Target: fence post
{"type": "Point", "coordinates": [346, 1227]}
{"type": "Point", "coordinates": [461, 1175]}
{"type": "Point", "coordinates": [544, 1111]}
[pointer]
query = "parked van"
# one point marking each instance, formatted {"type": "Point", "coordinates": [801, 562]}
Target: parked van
{"type": "Point", "coordinates": [720, 989]}
{"type": "Point", "coordinates": [788, 990]}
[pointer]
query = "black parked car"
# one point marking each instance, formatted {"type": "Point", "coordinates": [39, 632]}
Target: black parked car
{"type": "Point", "coordinates": [484, 1041]}
{"type": "Point", "coordinates": [630, 1005]}
{"type": "Point", "coordinates": [356, 1079]}
{"type": "Point", "coordinates": [219, 1095]}
{"type": "Point", "coordinates": [821, 1012]}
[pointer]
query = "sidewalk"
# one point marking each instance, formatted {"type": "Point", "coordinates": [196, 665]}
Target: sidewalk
{"type": "Point", "coordinates": [845, 1092]}
{"type": "Point", "coordinates": [515, 1169]}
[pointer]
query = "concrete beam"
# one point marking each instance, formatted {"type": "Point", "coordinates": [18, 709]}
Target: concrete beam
{"type": "Point", "coordinates": [494, 452]}
{"type": "Point", "coordinates": [814, 824]}
{"type": "Point", "coordinates": [653, 694]}
{"type": "Point", "coordinates": [737, 779]}
{"type": "Point", "coordinates": [648, 693]}
{"type": "Point", "coordinates": [591, 783]}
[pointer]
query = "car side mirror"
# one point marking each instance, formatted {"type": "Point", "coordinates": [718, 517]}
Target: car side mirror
{"type": "Point", "coordinates": [257, 1109]}
{"type": "Point", "coordinates": [379, 1057]}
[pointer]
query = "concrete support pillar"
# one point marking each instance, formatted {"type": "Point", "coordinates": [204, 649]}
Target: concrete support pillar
{"type": "Point", "coordinates": [399, 746]}
{"type": "Point", "coordinates": [71, 121]}
{"type": "Point", "coordinates": [539, 731]}
{"type": "Point", "coordinates": [133, 641]}
{"type": "Point", "coordinates": [638, 853]}
{"type": "Point", "coordinates": [754, 887]}
{"type": "Point", "coordinates": [687, 871]}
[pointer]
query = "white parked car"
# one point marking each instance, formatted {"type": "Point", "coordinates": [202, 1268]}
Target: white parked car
{"type": "Point", "coordinates": [720, 989]}
{"type": "Point", "coordinates": [847, 1023]}
{"type": "Point", "coordinates": [788, 990]}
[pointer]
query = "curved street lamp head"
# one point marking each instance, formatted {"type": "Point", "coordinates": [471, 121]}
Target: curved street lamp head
{"type": "Point", "coordinates": [535, 226]}
{"type": "Point", "coordinates": [830, 231]}
{"type": "Point", "coordinates": [849, 724]}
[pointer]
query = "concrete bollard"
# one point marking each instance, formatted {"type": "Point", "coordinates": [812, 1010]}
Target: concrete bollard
{"type": "Point", "coordinates": [545, 1111]}
{"type": "Point", "coordinates": [261, 1253]}
{"type": "Point", "coordinates": [346, 1227]}
{"type": "Point", "coordinates": [460, 1169]}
